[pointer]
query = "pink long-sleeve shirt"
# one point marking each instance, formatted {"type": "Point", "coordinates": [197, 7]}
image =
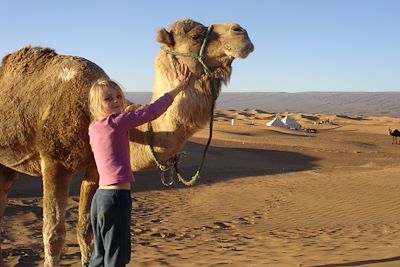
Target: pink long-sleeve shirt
{"type": "Point", "coordinates": [109, 139]}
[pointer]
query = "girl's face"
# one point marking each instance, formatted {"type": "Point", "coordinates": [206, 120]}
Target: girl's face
{"type": "Point", "coordinates": [112, 101]}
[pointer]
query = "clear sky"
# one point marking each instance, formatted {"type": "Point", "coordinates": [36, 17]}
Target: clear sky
{"type": "Point", "coordinates": [300, 45]}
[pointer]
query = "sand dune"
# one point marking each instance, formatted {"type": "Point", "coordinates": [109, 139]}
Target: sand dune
{"type": "Point", "coordinates": [267, 197]}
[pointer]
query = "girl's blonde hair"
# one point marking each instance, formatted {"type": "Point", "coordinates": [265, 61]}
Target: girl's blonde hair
{"type": "Point", "coordinates": [96, 96]}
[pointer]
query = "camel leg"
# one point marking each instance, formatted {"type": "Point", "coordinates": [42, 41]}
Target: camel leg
{"type": "Point", "coordinates": [56, 185]}
{"type": "Point", "coordinates": [84, 231]}
{"type": "Point", "coordinates": [7, 180]}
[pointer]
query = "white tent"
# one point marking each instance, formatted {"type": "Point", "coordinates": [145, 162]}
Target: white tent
{"type": "Point", "coordinates": [276, 122]}
{"type": "Point", "coordinates": [290, 123]}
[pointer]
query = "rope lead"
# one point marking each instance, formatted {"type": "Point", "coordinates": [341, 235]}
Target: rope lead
{"type": "Point", "coordinates": [166, 166]}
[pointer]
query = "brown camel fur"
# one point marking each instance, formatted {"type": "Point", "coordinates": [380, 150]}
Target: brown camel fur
{"type": "Point", "coordinates": [394, 135]}
{"type": "Point", "coordinates": [45, 118]}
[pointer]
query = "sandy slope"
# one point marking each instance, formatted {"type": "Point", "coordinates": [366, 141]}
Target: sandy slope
{"type": "Point", "coordinates": [267, 197]}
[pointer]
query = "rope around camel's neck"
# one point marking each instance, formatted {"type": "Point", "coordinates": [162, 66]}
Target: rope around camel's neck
{"type": "Point", "coordinates": [166, 166]}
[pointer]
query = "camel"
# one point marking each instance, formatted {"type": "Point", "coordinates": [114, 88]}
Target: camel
{"type": "Point", "coordinates": [45, 118]}
{"type": "Point", "coordinates": [394, 135]}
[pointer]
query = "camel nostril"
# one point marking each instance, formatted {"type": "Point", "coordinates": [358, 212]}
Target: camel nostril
{"type": "Point", "coordinates": [238, 29]}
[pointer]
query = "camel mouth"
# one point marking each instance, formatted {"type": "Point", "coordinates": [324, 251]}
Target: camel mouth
{"type": "Point", "coordinates": [239, 52]}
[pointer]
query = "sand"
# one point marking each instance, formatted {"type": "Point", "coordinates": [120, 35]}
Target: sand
{"type": "Point", "coordinates": [267, 197]}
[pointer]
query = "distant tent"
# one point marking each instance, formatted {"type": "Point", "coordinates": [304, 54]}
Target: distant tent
{"type": "Point", "coordinates": [276, 122]}
{"type": "Point", "coordinates": [290, 123]}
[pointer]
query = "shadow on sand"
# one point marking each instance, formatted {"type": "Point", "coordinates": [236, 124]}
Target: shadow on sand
{"type": "Point", "coordinates": [221, 164]}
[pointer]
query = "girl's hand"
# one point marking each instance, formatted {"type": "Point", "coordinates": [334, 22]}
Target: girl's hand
{"type": "Point", "coordinates": [183, 77]}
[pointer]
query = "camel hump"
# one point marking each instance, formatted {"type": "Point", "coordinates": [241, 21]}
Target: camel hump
{"type": "Point", "coordinates": [44, 107]}
{"type": "Point", "coordinates": [28, 54]}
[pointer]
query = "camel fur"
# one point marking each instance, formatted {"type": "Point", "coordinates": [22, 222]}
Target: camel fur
{"type": "Point", "coordinates": [45, 119]}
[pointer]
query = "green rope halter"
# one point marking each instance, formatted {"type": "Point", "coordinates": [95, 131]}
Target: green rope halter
{"type": "Point", "coordinates": [166, 166]}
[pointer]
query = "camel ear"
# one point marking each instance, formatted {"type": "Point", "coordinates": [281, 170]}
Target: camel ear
{"type": "Point", "coordinates": [165, 37]}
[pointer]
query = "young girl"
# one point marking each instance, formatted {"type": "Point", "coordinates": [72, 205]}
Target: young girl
{"type": "Point", "coordinates": [109, 138]}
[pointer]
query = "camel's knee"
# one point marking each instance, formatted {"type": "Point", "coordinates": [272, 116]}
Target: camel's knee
{"type": "Point", "coordinates": [56, 185]}
{"type": "Point", "coordinates": [53, 237]}
{"type": "Point", "coordinates": [84, 231]}
{"type": "Point", "coordinates": [51, 261]}
{"type": "Point", "coordinates": [53, 232]}
{"type": "Point", "coordinates": [85, 237]}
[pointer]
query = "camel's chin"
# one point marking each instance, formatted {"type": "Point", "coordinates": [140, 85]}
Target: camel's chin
{"type": "Point", "coordinates": [240, 53]}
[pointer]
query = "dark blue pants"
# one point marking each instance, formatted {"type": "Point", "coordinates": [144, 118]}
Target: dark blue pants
{"type": "Point", "coordinates": [111, 221]}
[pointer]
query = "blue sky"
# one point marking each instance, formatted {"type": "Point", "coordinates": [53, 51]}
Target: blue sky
{"type": "Point", "coordinates": [300, 45]}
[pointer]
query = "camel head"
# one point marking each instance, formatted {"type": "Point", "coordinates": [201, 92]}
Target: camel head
{"type": "Point", "coordinates": [208, 52]}
{"type": "Point", "coordinates": [223, 44]}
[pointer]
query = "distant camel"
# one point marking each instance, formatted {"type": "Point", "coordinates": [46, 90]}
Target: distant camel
{"type": "Point", "coordinates": [394, 135]}
{"type": "Point", "coordinates": [45, 117]}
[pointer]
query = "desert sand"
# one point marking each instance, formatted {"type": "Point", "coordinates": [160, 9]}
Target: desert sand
{"type": "Point", "coordinates": [267, 197]}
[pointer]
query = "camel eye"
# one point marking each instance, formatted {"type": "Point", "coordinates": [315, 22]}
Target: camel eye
{"type": "Point", "coordinates": [197, 37]}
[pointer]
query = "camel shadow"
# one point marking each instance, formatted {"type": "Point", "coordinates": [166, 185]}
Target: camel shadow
{"type": "Point", "coordinates": [224, 164]}
{"type": "Point", "coordinates": [221, 164]}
